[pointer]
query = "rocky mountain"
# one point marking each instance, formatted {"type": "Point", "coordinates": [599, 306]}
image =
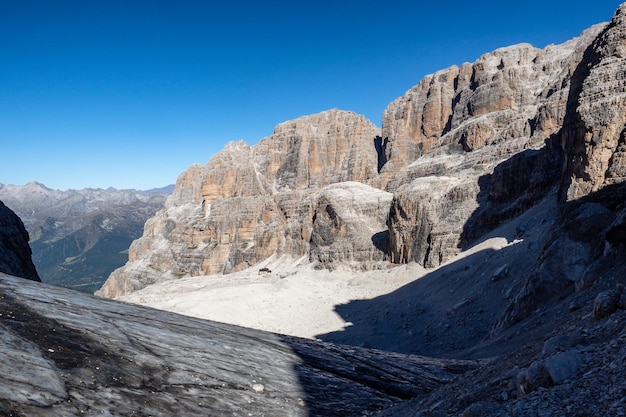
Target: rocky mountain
{"type": "Point", "coordinates": [281, 196]}
{"type": "Point", "coordinates": [78, 237]}
{"type": "Point", "coordinates": [462, 152]}
{"type": "Point", "coordinates": [15, 254]}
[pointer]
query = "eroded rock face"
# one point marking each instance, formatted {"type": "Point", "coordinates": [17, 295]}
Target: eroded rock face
{"type": "Point", "coordinates": [589, 233]}
{"type": "Point", "coordinates": [422, 223]}
{"type": "Point", "coordinates": [513, 92]}
{"type": "Point", "coordinates": [578, 255]}
{"type": "Point", "coordinates": [451, 132]}
{"type": "Point", "coordinates": [15, 254]}
{"type": "Point", "coordinates": [465, 150]}
{"type": "Point", "coordinates": [496, 156]}
{"type": "Point", "coordinates": [250, 202]}
{"type": "Point", "coordinates": [594, 136]}
{"type": "Point", "coordinates": [348, 225]}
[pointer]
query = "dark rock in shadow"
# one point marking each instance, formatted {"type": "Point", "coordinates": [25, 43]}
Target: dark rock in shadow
{"type": "Point", "coordinates": [452, 309]}
{"type": "Point", "coordinates": [15, 254]}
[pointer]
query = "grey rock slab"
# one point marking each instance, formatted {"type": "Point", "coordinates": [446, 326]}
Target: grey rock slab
{"type": "Point", "coordinates": [68, 353]}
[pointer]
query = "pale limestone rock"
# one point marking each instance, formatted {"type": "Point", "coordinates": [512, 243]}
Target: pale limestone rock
{"type": "Point", "coordinates": [513, 92]}
{"type": "Point", "coordinates": [250, 202]}
{"type": "Point", "coordinates": [462, 152]}
{"type": "Point", "coordinates": [424, 219]}
{"type": "Point", "coordinates": [489, 162]}
{"type": "Point", "coordinates": [348, 225]}
{"type": "Point", "coordinates": [317, 150]}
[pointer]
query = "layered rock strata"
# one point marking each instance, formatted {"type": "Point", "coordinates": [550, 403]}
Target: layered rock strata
{"type": "Point", "coordinates": [594, 136]}
{"type": "Point", "coordinates": [589, 235]}
{"type": "Point", "coordinates": [474, 146]}
{"type": "Point", "coordinates": [250, 202]}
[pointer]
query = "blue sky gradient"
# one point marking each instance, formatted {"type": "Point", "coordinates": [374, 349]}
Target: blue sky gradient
{"type": "Point", "coordinates": [128, 94]}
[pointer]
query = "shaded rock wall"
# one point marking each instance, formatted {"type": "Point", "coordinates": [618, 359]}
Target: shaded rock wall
{"type": "Point", "coordinates": [498, 155]}
{"type": "Point", "coordinates": [594, 137]}
{"type": "Point", "coordinates": [588, 236]}
{"type": "Point", "coordinates": [250, 202]}
{"type": "Point", "coordinates": [15, 254]}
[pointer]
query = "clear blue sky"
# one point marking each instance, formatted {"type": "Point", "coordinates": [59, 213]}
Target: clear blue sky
{"type": "Point", "coordinates": [99, 93]}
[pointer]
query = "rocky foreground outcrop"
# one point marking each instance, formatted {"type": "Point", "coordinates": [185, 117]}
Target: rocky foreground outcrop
{"type": "Point", "coordinates": [464, 151]}
{"type": "Point", "coordinates": [67, 354]}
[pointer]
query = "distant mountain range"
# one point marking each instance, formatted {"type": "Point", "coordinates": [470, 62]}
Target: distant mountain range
{"type": "Point", "coordinates": [78, 237]}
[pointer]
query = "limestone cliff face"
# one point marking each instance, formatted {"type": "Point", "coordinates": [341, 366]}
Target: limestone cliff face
{"type": "Point", "coordinates": [447, 140]}
{"type": "Point", "coordinates": [15, 254]}
{"type": "Point", "coordinates": [250, 202]}
{"type": "Point", "coordinates": [588, 239]}
{"type": "Point", "coordinates": [513, 92]}
{"type": "Point", "coordinates": [594, 136]}
{"type": "Point", "coordinates": [348, 225]}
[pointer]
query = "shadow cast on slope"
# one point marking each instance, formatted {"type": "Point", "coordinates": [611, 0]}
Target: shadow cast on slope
{"type": "Point", "coordinates": [522, 180]}
{"type": "Point", "coordinates": [452, 309]}
{"type": "Point", "coordinates": [67, 353]}
{"type": "Point", "coordinates": [441, 314]}
{"type": "Point", "coordinates": [346, 381]}
{"type": "Point", "coordinates": [455, 306]}
{"type": "Point", "coordinates": [516, 185]}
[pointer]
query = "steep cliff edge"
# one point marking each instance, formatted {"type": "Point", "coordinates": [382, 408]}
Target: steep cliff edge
{"type": "Point", "coordinates": [494, 157]}
{"type": "Point", "coordinates": [594, 137]}
{"type": "Point", "coordinates": [15, 254]}
{"type": "Point", "coordinates": [587, 241]}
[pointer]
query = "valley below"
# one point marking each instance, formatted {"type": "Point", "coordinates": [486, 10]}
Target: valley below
{"type": "Point", "coordinates": [78, 237]}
